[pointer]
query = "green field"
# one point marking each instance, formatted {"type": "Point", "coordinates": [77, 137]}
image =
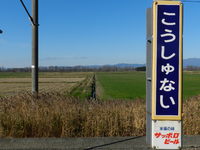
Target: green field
{"type": "Point", "coordinates": [131, 85]}
{"type": "Point", "coordinates": [191, 82]}
{"type": "Point", "coordinates": [110, 85]}
{"type": "Point", "coordinates": [121, 85]}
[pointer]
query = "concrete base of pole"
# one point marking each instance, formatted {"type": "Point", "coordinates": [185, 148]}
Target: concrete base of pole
{"type": "Point", "coordinates": [35, 94]}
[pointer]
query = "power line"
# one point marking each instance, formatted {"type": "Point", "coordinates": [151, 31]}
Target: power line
{"type": "Point", "coordinates": [27, 11]}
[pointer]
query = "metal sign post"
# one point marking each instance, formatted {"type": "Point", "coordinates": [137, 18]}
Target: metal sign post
{"type": "Point", "coordinates": [165, 115]}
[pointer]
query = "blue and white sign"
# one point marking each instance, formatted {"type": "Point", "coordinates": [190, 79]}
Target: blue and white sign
{"type": "Point", "coordinates": [167, 61]}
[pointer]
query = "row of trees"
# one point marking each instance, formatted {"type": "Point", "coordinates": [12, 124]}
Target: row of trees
{"type": "Point", "coordinates": [86, 69]}
{"type": "Point", "coordinates": [192, 68]}
{"type": "Point", "coordinates": [75, 69]}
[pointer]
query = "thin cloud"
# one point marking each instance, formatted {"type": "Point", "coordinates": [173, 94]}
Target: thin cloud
{"type": "Point", "coordinates": [62, 58]}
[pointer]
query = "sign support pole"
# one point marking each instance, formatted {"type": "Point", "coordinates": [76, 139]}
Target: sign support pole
{"type": "Point", "coordinates": [149, 41]}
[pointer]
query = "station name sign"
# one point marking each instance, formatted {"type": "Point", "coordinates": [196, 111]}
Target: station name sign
{"type": "Point", "coordinates": [167, 60]}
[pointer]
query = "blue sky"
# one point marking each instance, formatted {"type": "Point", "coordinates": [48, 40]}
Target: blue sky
{"type": "Point", "coordinates": [85, 32]}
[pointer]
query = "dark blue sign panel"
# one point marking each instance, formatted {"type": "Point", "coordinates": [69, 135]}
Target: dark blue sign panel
{"type": "Point", "coordinates": [168, 60]}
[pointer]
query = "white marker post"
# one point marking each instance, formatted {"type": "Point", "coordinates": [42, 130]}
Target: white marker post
{"type": "Point", "coordinates": [164, 75]}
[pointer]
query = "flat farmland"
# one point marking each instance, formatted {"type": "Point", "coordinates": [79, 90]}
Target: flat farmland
{"type": "Point", "coordinates": [121, 85]}
{"type": "Point", "coordinates": [131, 85]}
{"type": "Point", "coordinates": [66, 114]}
{"type": "Point", "coordinates": [12, 83]}
{"type": "Point", "coordinates": [110, 85]}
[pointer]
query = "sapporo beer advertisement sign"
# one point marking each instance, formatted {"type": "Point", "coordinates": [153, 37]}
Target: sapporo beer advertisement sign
{"type": "Point", "coordinates": [166, 134]}
{"type": "Point", "coordinates": [167, 60]}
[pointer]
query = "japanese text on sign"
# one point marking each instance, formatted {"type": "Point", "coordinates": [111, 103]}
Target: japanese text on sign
{"type": "Point", "coordinates": [167, 60]}
{"type": "Point", "coordinates": [169, 138]}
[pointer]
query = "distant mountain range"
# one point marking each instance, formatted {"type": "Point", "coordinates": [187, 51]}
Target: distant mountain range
{"type": "Point", "coordinates": [186, 62]}
{"type": "Point", "coordinates": [195, 62]}
{"type": "Point", "coordinates": [191, 62]}
{"type": "Point", "coordinates": [121, 65]}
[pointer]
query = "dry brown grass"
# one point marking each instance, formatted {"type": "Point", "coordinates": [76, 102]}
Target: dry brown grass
{"type": "Point", "coordinates": [41, 80]}
{"type": "Point", "coordinates": [13, 86]}
{"type": "Point", "coordinates": [191, 116]}
{"type": "Point", "coordinates": [54, 115]}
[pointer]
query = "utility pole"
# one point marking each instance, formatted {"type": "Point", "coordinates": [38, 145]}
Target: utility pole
{"type": "Point", "coordinates": [35, 47]}
{"type": "Point", "coordinates": [34, 22]}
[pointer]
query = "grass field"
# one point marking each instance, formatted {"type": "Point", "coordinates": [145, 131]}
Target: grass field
{"type": "Point", "coordinates": [121, 85]}
{"type": "Point", "coordinates": [55, 115]}
{"type": "Point", "coordinates": [44, 74]}
{"type": "Point", "coordinates": [12, 83]}
{"type": "Point", "coordinates": [62, 108]}
{"type": "Point", "coordinates": [131, 85]}
{"type": "Point", "coordinates": [110, 85]}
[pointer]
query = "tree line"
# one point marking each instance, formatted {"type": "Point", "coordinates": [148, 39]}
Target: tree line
{"type": "Point", "coordinates": [87, 69]}
{"type": "Point", "coordinates": [75, 69]}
